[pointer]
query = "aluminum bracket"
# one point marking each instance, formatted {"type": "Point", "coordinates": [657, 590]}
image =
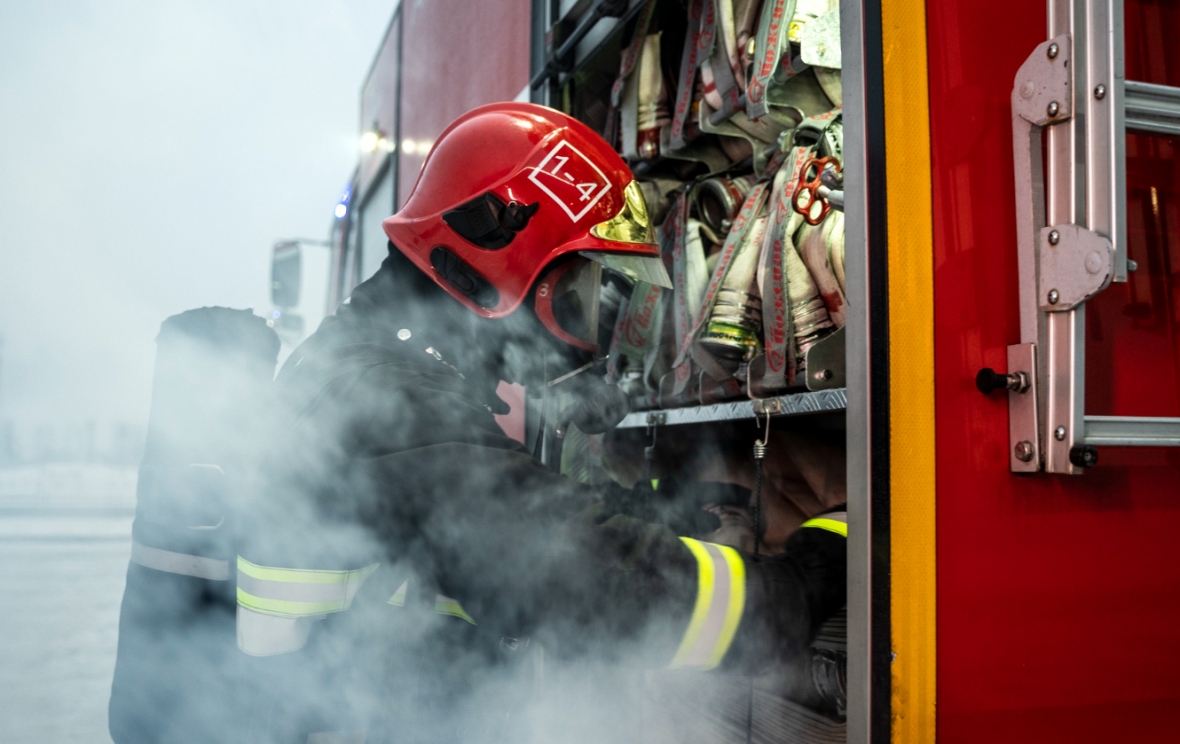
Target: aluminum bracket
{"type": "Point", "coordinates": [1076, 264]}
{"type": "Point", "coordinates": [1024, 452]}
{"type": "Point", "coordinates": [1153, 109]}
{"type": "Point", "coordinates": [825, 363]}
{"type": "Point", "coordinates": [1132, 431]}
{"type": "Point", "coordinates": [1041, 94]}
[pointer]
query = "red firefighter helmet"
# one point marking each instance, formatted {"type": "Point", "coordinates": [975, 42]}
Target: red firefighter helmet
{"type": "Point", "coordinates": [507, 190]}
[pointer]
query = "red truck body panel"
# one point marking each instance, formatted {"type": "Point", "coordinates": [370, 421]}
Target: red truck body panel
{"type": "Point", "coordinates": [456, 55]}
{"type": "Point", "coordinates": [1058, 596]}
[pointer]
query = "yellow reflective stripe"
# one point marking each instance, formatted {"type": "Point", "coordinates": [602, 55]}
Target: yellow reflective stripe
{"type": "Point", "coordinates": [447, 606]}
{"type": "Point", "coordinates": [297, 592]}
{"type": "Point", "coordinates": [700, 609]}
{"type": "Point", "coordinates": [717, 612]}
{"type": "Point", "coordinates": [286, 607]}
{"type": "Point", "coordinates": [831, 525]}
{"type": "Point", "coordinates": [399, 597]}
{"type": "Point", "coordinates": [303, 575]}
{"type": "Point", "coordinates": [442, 605]}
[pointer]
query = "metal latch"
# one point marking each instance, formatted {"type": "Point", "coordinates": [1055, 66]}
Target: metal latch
{"type": "Point", "coordinates": [767, 406]}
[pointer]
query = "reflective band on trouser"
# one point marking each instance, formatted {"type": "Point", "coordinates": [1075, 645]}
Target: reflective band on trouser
{"type": "Point", "coordinates": [179, 563]}
{"type": "Point", "coordinates": [721, 597]}
{"type": "Point", "coordinates": [442, 605]}
{"type": "Point", "coordinates": [356, 736]}
{"type": "Point", "coordinates": [835, 522]}
{"type": "Point", "coordinates": [447, 606]}
{"type": "Point", "coordinates": [297, 592]}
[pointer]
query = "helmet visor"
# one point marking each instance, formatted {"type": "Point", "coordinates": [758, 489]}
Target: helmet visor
{"type": "Point", "coordinates": [567, 303]}
{"type": "Point", "coordinates": [648, 269]}
{"type": "Point", "coordinates": [631, 224]}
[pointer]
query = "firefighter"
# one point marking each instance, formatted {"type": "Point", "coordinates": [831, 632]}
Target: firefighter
{"type": "Point", "coordinates": [390, 492]}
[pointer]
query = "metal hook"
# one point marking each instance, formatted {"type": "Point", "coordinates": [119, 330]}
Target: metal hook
{"type": "Point", "coordinates": [760, 444]}
{"type": "Point", "coordinates": [649, 452]}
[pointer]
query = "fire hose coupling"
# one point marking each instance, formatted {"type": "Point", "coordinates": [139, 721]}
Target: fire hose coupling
{"type": "Point", "coordinates": [988, 380]}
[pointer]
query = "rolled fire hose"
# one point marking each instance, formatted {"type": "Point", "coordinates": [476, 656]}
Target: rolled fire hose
{"type": "Point", "coordinates": [732, 332]}
{"type": "Point", "coordinates": [813, 250]}
{"type": "Point", "coordinates": [808, 312]}
{"type": "Point", "coordinates": [645, 107]}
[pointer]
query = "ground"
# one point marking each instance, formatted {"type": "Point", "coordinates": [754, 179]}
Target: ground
{"type": "Point", "coordinates": [65, 537]}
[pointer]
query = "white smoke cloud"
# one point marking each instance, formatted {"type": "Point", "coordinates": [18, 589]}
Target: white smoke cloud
{"type": "Point", "coordinates": [151, 153]}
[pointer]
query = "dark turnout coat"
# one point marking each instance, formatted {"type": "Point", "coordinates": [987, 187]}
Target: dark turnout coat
{"type": "Point", "coordinates": [386, 452]}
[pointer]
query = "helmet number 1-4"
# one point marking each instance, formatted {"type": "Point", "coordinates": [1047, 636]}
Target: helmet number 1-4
{"type": "Point", "coordinates": [570, 179]}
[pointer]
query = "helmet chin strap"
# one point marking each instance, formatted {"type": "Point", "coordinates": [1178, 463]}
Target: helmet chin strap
{"type": "Point", "coordinates": [578, 276]}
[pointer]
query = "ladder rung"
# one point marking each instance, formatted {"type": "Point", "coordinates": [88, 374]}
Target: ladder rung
{"type": "Point", "coordinates": [1152, 108]}
{"type": "Point", "coordinates": [1132, 431]}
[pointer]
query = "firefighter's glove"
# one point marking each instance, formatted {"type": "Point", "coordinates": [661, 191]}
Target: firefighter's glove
{"type": "Point", "coordinates": [679, 505]}
{"type": "Point", "coordinates": [592, 405]}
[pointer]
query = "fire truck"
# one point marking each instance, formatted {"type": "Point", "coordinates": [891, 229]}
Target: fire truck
{"type": "Point", "coordinates": [1001, 360]}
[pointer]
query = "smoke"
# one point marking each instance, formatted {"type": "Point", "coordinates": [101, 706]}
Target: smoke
{"type": "Point", "coordinates": [154, 153]}
{"type": "Point", "coordinates": [529, 609]}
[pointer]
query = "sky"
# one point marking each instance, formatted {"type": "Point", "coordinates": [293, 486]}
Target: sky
{"type": "Point", "coordinates": [151, 153]}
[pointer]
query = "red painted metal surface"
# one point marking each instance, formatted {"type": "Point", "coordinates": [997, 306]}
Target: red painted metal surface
{"type": "Point", "coordinates": [457, 54]}
{"type": "Point", "coordinates": [1058, 597]}
{"type": "Point", "coordinates": [379, 110]}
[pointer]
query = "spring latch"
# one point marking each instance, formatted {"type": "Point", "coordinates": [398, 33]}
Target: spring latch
{"type": "Point", "coordinates": [756, 502]}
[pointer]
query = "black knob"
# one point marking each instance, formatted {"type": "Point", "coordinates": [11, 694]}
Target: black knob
{"type": "Point", "coordinates": [988, 380]}
{"type": "Point", "coordinates": [1083, 455]}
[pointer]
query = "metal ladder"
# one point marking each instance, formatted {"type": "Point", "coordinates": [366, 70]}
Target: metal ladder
{"type": "Point", "coordinates": [1071, 202]}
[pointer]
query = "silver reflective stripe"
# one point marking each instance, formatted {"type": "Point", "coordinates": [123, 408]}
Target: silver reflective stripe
{"type": "Point", "coordinates": [297, 592]}
{"type": "Point", "coordinates": [356, 736]}
{"type": "Point", "coordinates": [260, 634]}
{"type": "Point", "coordinates": [721, 598]}
{"type": "Point", "coordinates": [179, 563]}
{"type": "Point", "coordinates": [711, 628]}
{"type": "Point", "coordinates": [290, 591]}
